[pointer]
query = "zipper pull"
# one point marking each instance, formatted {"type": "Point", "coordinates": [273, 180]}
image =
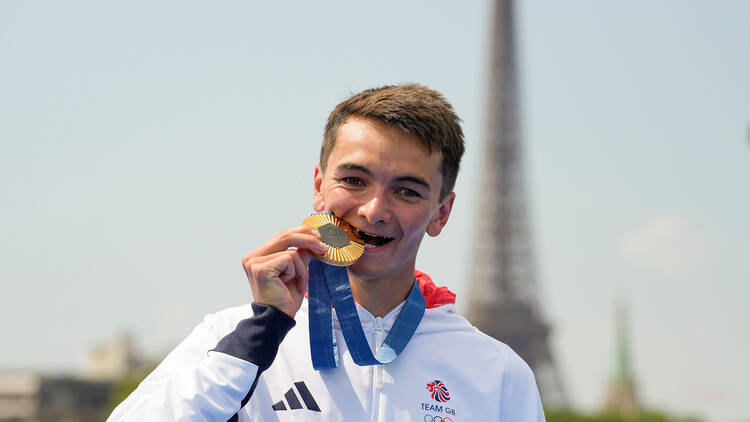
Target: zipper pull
{"type": "Point", "coordinates": [378, 331]}
{"type": "Point", "coordinates": [378, 324]}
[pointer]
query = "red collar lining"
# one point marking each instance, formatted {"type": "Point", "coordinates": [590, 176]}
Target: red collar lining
{"type": "Point", "coordinates": [434, 296]}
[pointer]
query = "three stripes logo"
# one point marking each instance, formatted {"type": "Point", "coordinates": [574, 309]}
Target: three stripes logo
{"type": "Point", "coordinates": [438, 391]}
{"type": "Point", "coordinates": [292, 399]}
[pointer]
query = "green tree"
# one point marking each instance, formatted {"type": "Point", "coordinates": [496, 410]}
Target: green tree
{"type": "Point", "coordinates": [127, 385]}
{"type": "Point", "coordinates": [643, 416]}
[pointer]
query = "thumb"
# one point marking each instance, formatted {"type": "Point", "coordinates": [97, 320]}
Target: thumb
{"type": "Point", "coordinates": [303, 279]}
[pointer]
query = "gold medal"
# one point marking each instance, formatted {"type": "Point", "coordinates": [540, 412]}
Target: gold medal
{"type": "Point", "coordinates": [344, 246]}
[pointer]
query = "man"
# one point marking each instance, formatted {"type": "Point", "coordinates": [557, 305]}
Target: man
{"type": "Point", "coordinates": [388, 164]}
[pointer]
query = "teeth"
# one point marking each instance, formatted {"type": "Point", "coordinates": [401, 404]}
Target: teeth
{"type": "Point", "coordinates": [373, 234]}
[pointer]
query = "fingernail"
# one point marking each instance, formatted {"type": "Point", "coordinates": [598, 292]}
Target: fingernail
{"type": "Point", "coordinates": [323, 247]}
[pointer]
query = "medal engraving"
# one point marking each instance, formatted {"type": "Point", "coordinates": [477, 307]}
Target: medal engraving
{"type": "Point", "coordinates": [344, 246]}
{"type": "Point", "coordinates": [333, 235]}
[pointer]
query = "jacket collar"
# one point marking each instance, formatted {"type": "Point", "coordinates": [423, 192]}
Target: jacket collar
{"type": "Point", "coordinates": [434, 296]}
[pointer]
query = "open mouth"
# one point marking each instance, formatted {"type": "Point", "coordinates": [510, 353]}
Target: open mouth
{"type": "Point", "coordinates": [372, 240]}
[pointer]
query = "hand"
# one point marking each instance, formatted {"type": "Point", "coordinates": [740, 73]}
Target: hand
{"type": "Point", "coordinates": [277, 274]}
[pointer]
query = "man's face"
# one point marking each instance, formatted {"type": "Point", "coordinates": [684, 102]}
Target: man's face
{"type": "Point", "coordinates": [386, 184]}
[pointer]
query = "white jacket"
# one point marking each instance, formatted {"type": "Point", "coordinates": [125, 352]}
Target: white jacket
{"type": "Point", "coordinates": [449, 372]}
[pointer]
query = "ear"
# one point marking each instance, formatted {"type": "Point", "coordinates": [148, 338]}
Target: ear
{"type": "Point", "coordinates": [441, 217]}
{"type": "Point", "coordinates": [318, 202]}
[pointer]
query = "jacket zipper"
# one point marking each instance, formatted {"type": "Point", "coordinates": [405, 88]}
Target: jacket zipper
{"type": "Point", "coordinates": [377, 376]}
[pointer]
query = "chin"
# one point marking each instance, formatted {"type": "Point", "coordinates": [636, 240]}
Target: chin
{"type": "Point", "coordinates": [366, 271]}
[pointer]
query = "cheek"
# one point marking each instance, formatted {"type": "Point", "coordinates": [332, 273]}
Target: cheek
{"type": "Point", "coordinates": [337, 199]}
{"type": "Point", "coordinates": [415, 224]}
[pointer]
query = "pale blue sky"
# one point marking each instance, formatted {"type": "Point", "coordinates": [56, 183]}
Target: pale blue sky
{"type": "Point", "coordinates": [147, 147]}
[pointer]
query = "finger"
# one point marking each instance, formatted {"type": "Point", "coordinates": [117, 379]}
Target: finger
{"type": "Point", "coordinates": [299, 237]}
{"type": "Point", "coordinates": [267, 276]}
{"type": "Point", "coordinates": [293, 272]}
{"type": "Point", "coordinates": [305, 256]}
{"type": "Point", "coordinates": [269, 269]}
{"type": "Point", "coordinates": [255, 257]}
{"type": "Point", "coordinates": [282, 266]}
{"type": "Point", "coordinates": [300, 269]}
{"type": "Point", "coordinates": [249, 261]}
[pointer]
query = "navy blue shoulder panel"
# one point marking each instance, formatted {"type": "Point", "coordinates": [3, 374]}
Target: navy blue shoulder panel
{"type": "Point", "coordinates": [257, 339]}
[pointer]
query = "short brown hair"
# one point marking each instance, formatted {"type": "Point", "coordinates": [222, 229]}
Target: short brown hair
{"type": "Point", "coordinates": [414, 108]}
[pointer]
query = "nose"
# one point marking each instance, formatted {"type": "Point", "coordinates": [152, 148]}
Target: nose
{"type": "Point", "coordinates": [375, 209]}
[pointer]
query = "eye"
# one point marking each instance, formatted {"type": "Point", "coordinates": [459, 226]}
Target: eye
{"type": "Point", "coordinates": [409, 193]}
{"type": "Point", "coordinates": [354, 181]}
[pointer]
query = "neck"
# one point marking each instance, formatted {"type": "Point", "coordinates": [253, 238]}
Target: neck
{"type": "Point", "coordinates": [382, 295]}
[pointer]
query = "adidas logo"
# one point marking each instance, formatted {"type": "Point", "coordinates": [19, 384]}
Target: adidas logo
{"type": "Point", "coordinates": [292, 399]}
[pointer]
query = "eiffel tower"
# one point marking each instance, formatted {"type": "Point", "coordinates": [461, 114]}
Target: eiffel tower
{"type": "Point", "coordinates": [503, 300]}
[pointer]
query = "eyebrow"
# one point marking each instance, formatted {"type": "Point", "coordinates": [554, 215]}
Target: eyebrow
{"type": "Point", "coordinates": [365, 170]}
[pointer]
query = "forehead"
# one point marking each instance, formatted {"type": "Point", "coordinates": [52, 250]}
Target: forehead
{"type": "Point", "coordinates": [384, 147]}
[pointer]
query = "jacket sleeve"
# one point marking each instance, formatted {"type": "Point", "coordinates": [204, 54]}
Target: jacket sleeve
{"type": "Point", "coordinates": [520, 400]}
{"type": "Point", "coordinates": [207, 378]}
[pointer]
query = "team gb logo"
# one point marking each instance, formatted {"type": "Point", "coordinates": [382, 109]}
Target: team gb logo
{"type": "Point", "coordinates": [438, 391]}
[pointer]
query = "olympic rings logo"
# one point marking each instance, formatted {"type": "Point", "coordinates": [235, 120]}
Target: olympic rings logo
{"type": "Point", "coordinates": [437, 418]}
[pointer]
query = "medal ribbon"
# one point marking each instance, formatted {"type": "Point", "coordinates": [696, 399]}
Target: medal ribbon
{"type": "Point", "coordinates": [330, 285]}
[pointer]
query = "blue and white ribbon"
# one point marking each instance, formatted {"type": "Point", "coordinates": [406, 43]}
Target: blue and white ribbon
{"type": "Point", "coordinates": [330, 285]}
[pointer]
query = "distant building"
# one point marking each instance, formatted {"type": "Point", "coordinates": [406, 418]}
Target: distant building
{"type": "Point", "coordinates": [31, 397]}
{"type": "Point", "coordinates": [113, 359]}
{"type": "Point", "coordinates": [621, 393]}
